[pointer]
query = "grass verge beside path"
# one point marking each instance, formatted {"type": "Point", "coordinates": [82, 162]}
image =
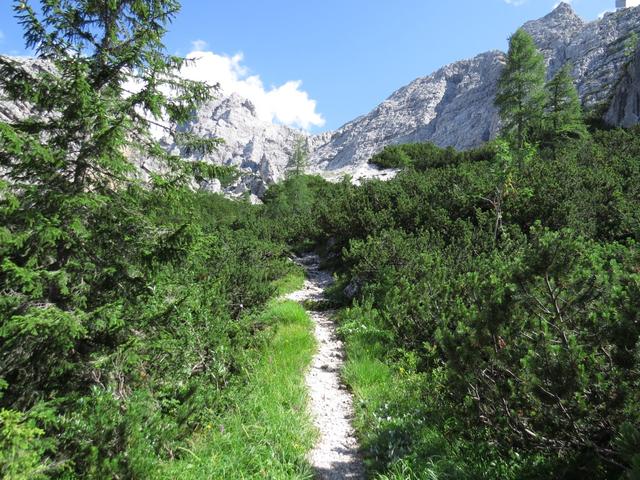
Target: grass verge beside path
{"type": "Point", "coordinates": [395, 424]}
{"type": "Point", "coordinates": [290, 283]}
{"type": "Point", "coordinates": [268, 431]}
{"type": "Point", "coordinates": [403, 431]}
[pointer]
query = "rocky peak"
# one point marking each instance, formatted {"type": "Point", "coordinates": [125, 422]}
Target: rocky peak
{"type": "Point", "coordinates": [565, 11]}
{"type": "Point", "coordinates": [563, 17]}
{"type": "Point", "coordinates": [554, 32]}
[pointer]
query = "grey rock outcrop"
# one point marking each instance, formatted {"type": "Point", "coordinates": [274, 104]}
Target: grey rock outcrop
{"type": "Point", "coordinates": [452, 107]}
{"type": "Point", "coordinates": [250, 144]}
{"type": "Point", "coordinates": [553, 34]}
{"type": "Point", "coordinates": [625, 105]}
{"type": "Point", "coordinates": [596, 50]}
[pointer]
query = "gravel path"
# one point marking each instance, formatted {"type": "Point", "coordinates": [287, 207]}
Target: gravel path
{"type": "Point", "coordinates": [336, 455]}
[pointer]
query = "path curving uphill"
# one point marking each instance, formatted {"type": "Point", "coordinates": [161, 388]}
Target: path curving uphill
{"type": "Point", "coordinates": [336, 455]}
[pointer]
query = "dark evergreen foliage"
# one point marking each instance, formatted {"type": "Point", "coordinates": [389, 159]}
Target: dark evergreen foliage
{"type": "Point", "coordinates": [521, 95]}
{"type": "Point", "coordinates": [516, 355]}
{"type": "Point", "coordinates": [492, 321]}
{"type": "Point", "coordinates": [563, 114]}
{"type": "Point", "coordinates": [127, 304]}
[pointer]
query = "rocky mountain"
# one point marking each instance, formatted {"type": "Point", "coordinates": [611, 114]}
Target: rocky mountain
{"type": "Point", "coordinates": [451, 107]}
{"type": "Point", "coordinates": [454, 106]}
{"type": "Point", "coordinates": [259, 149]}
{"type": "Point", "coordinates": [624, 109]}
{"type": "Point", "coordinates": [597, 50]}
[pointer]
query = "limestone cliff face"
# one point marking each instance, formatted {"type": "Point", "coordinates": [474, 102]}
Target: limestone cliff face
{"type": "Point", "coordinates": [250, 144]}
{"type": "Point", "coordinates": [451, 107]}
{"type": "Point", "coordinates": [625, 105]}
{"type": "Point", "coordinates": [260, 150]}
{"type": "Point", "coordinates": [596, 50]}
{"type": "Point", "coordinates": [454, 106]}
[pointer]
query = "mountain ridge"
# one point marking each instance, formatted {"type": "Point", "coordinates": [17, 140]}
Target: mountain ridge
{"type": "Point", "coordinates": [453, 106]}
{"type": "Point", "coordinates": [467, 118]}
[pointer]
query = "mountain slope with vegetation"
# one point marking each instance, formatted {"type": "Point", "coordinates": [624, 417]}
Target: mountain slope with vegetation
{"type": "Point", "coordinates": [490, 298]}
{"type": "Point", "coordinates": [451, 107]}
{"type": "Point", "coordinates": [493, 330]}
{"type": "Point", "coordinates": [133, 315]}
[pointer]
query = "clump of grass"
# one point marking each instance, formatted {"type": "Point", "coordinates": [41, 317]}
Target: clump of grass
{"type": "Point", "coordinates": [267, 431]}
{"type": "Point", "coordinates": [285, 313]}
{"type": "Point", "coordinates": [396, 425]}
{"type": "Point", "coordinates": [290, 282]}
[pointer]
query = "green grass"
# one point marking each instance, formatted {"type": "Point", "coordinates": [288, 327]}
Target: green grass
{"type": "Point", "coordinates": [397, 443]}
{"type": "Point", "coordinates": [392, 419]}
{"type": "Point", "coordinates": [290, 283]}
{"type": "Point", "coordinates": [403, 430]}
{"type": "Point", "coordinates": [268, 431]}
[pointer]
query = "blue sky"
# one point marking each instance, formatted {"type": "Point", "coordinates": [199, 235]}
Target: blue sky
{"type": "Point", "coordinates": [318, 64]}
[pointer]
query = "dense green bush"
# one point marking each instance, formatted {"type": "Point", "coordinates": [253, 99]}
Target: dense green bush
{"type": "Point", "coordinates": [142, 358]}
{"type": "Point", "coordinates": [485, 352]}
{"type": "Point", "coordinates": [422, 156]}
{"type": "Point", "coordinates": [127, 304]}
{"type": "Point", "coordinates": [491, 316]}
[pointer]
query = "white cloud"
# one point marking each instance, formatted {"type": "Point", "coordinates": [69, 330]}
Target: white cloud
{"type": "Point", "coordinates": [199, 45]}
{"type": "Point", "coordinates": [287, 104]}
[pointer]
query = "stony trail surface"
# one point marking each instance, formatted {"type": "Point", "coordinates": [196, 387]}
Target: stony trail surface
{"type": "Point", "coordinates": [335, 455]}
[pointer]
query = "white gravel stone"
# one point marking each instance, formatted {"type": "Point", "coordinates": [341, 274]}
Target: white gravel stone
{"type": "Point", "coordinates": [336, 455]}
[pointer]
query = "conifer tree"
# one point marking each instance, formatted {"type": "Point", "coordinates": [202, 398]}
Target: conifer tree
{"type": "Point", "coordinates": [563, 117]}
{"type": "Point", "coordinates": [67, 181]}
{"type": "Point", "coordinates": [103, 80]}
{"type": "Point", "coordinates": [299, 160]}
{"type": "Point", "coordinates": [521, 93]}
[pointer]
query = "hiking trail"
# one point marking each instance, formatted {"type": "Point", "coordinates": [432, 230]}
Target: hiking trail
{"type": "Point", "coordinates": [335, 455]}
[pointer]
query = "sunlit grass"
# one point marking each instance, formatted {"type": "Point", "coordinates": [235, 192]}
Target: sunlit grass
{"type": "Point", "coordinates": [290, 283]}
{"type": "Point", "coordinates": [268, 431]}
{"type": "Point", "coordinates": [391, 421]}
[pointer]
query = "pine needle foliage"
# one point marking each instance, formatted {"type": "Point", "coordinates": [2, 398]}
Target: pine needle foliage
{"type": "Point", "coordinates": [564, 117]}
{"type": "Point", "coordinates": [521, 95]}
{"type": "Point", "coordinates": [299, 161]}
{"type": "Point", "coordinates": [127, 300]}
{"type": "Point", "coordinates": [491, 308]}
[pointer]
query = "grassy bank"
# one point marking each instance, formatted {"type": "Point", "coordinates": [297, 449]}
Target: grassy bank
{"type": "Point", "coordinates": [403, 433]}
{"type": "Point", "coordinates": [382, 399]}
{"type": "Point", "coordinates": [267, 431]}
{"type": "Point", "coordinates": [291, 282]}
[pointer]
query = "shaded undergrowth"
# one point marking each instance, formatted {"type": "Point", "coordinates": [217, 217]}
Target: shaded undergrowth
{"type": "Point", "coordinates": [267, 431]}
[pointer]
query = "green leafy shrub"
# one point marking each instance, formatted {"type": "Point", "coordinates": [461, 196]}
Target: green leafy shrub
{"type": "Point", "coordinates": [484, 352]}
